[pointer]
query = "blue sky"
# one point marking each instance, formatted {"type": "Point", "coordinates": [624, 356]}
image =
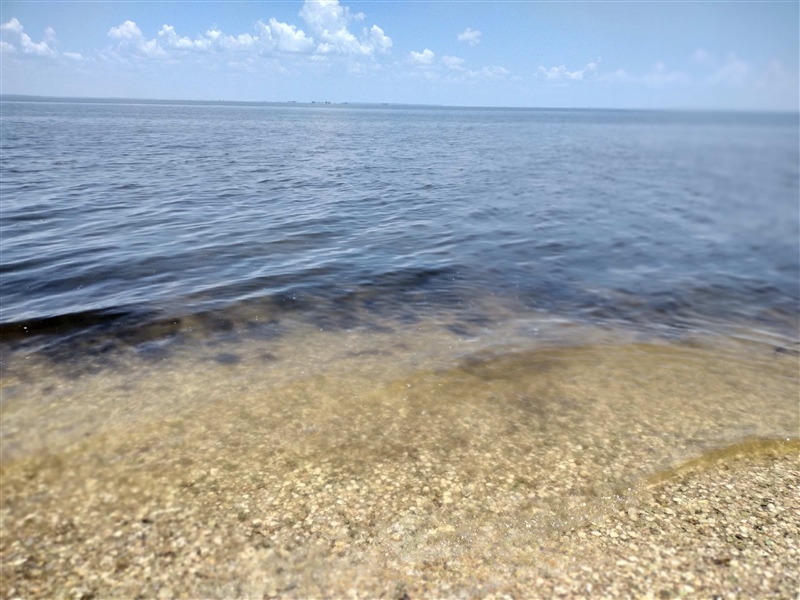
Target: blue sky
{"type": "Point", "coordinates": [716, 55]}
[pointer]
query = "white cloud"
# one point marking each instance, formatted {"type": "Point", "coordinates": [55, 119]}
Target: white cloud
{"type": "Point", "coordinates": [328, 21]}
{"type": "Point", "coordinates": [285, 37]}
{"type": "Point", "coordinates": [327, 35]}
{"type": "Point", "coordinates": [127, 31]}
{"type": "Point", "coordinates": [561, 73]}
{"type": "Point", "coordinates": [236, 43]}
{"type": "Point", "coordinates": [380, 40]}
{"type": "Point", "coordinates": [168, 44]}
{"type": "Point", "coordinates": [472, 37]}
{"type": "Point", "coordinates": [42, 48]}
{"type": "Point", "coordinates": [12, 25]}
{"type": "Point", "coordinates": [131, 38]}
{"type": "Point", "coordinates": [453, 62]}
{"type": "Point", "coordinates": [494, 71]}
{"type": "Point", "coordinates": [325, 16]}
{"type": "Point", "coordinates": [45, 48]}
{"type": "Point", "coordinates": [424, 58]}
{"type": "Point", "coordinates": [173, 40]}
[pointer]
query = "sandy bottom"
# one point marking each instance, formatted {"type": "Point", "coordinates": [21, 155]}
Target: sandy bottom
{"type": "Point", "coordinates": [405, 464]}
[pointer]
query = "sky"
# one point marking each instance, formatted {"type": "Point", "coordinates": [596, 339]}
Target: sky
{"type": "Point", "coordinates": [674, 55]}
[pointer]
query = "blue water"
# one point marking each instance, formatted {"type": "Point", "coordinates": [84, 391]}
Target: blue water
{"type": "Point", "coordinates": [143, 212]}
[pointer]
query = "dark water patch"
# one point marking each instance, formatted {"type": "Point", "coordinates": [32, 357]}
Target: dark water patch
{"type": "Point", "coordinates": [792, 349]}
{"type": "Point", "coordinates": [370, 352]}
{"type": "Point", "coordinates": [410, 279]}
{"type": "Point", "coordinates": [90, 342]}
{"type": "Point", "coordinates": [155, 350]}
{"type": "Point", "coordinates": [375, 327]}
{"type": "Point", "coordinates": [402, 298]}
{"type": "Point", "coordinates": [61, 326]}
{"type": "Point", "coordinates": [338, 319]}
{"type": "Point", "coordinates": [227, 358]}
{"type": "Point", "coordinates": [460, 330]}
{"type": "Point", "coordinates": [475, 319]}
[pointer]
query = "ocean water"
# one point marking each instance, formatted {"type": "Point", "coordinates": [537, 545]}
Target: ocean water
{"type": "Point", "coordinates": [595, 294]}
{"type": "Point", "coordinates": [152, 211]}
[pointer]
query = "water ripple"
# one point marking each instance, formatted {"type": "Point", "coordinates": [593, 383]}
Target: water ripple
{"type": "Point", "coordinates": [652, 218]}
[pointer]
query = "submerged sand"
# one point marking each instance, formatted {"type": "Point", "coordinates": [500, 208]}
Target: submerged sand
{"type": "Point", "coordinates": [726, 528]}
{"type": "Point", "coordinates": [610, 469]}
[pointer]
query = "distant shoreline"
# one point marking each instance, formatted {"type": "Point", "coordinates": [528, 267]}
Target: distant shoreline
{"type": "Point", "coordinates": [389, 105]}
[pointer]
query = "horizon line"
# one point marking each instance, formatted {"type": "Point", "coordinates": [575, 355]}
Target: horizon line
{"type": "Point", "coordinates": [322, 103]}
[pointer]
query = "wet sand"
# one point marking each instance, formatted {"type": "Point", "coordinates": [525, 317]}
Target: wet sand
{"type": "Point", "coordinates": [352, 465]}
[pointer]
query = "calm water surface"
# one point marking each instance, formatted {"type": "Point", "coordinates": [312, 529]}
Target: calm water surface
{"type": "Point", "coordinates": [152, 210]}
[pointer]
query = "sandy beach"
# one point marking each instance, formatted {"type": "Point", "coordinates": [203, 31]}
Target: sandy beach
{"type": "Point", "coordinates": [725, 527]}
{"type": "Point", "coordinates": [628, 470]}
